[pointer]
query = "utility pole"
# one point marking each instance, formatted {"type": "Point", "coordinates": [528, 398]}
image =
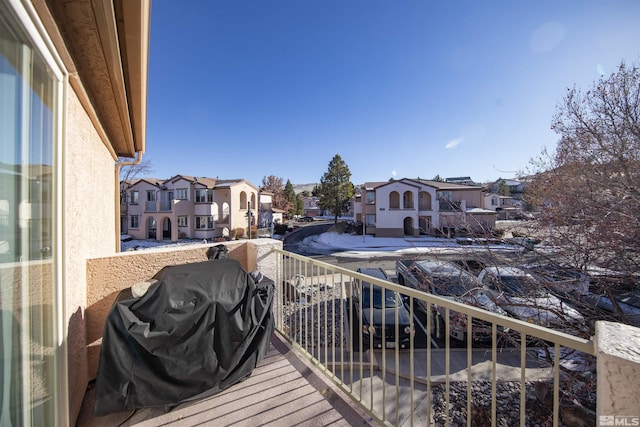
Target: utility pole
{"type": "Point", "coordinates": [249, 217]}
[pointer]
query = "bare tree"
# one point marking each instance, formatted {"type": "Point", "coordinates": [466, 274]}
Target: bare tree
{"type": "Point", "coordinates": [274, 185]}
{"type": "Point", "coordinates": [128, 175]}
{"type": "Point", "coordinates": [589, 189]}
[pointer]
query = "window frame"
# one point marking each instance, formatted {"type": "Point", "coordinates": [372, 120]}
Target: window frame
{"type": "Point", "coordinates": [204, 222]}
{"type": "Point", "coordinates": [200, 195]}
{"type": "Point", "coordinates": [181, 194]}
{"type": "Point", "coordinates": [24, 16]}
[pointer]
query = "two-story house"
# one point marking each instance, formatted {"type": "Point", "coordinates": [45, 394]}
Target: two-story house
{"type": "Point", "coordinates": [189, 207]}
{"type": "Point", "coordinates": [311, 207]}
{"type": "Point", "coordinates": [414, 206]}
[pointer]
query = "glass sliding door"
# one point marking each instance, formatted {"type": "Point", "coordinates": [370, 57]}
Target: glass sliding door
{"type": "Point", "coordinates": [29, 112]}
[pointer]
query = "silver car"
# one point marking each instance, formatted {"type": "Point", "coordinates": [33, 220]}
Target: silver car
{"type": "Point", "coordinates": [523, 297]}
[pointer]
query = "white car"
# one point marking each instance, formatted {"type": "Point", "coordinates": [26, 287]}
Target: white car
{"type": "Point", "coordinates": [523, 297]}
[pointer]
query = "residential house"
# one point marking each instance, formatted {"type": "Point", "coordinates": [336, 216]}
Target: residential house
{"type": "Point", "coordinates": [310, 206]}
{"type": "Point", "coordinates": [189, 207]}
{"type": "Point", "coordinates": [277, 215]}
{"type": "Point", "coordinates": [415, 206]}
{"type": "Point", "coordinates": [506, 207]}
{"type": "Point", "coordinates": [464, 180]}
{"type": "Point", "coordinates": [73, 79]}
{"type": "Point", "coordinates": [265, 210]}
{"type": "Point", "coordinates": [516, 187]}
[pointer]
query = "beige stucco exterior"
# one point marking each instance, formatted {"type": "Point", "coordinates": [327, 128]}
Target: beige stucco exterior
{"type": "Point", "coordinates": [618, 370]}
{"type": "Point", "coordinates": [87, 232]}
{"type": "Point", "coordinates": [175, 208]}
{"type": "Point", "coordinates": [413, 207]}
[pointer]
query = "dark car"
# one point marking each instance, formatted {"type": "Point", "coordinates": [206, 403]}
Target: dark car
{"type": "Point", "coordinates": [305, 219]}
{"type": "Point", "coordinates": [373, 305]}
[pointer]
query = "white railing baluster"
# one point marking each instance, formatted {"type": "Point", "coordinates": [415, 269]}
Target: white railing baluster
{"type": "Point", "coordinates": [308, 287]}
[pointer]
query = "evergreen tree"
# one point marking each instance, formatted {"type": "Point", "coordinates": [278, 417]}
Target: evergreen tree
{"type": "Point", "coordinates": [336, 188]}
{"type": "Point", "coordinates": [290, 194]}
{"type": "Point", "coordinates": [503, 188]}
{"type": "Point", "coordinates": [299, 205]}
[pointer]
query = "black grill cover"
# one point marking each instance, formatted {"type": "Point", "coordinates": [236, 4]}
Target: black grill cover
{"type": "Point", "coordinates": [202, 328]}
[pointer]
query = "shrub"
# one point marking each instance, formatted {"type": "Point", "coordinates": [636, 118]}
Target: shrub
{"type": "Point", "coordinates": [239, 232]}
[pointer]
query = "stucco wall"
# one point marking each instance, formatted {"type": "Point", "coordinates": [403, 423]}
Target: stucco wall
{"type": "Point", "coordinates": [89, 215]}
{"type": "Point", "coordinates": [618, 369]}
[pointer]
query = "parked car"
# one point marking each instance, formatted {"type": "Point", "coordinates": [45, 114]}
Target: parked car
{"type": "Point", "coordinates": [628, 305]}
{"type": "Point", "coordinates": [372, 303]}
{"type": "Point", "coordinates": [305, 219]}
{"type": "Point", "coordinates": [564, 281]}
{"type": "Point", "coordinates": [522, 296]}
{"type": "Point", "coordinates": [448, 280]}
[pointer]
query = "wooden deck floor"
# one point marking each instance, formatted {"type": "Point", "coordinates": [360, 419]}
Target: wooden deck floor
{"type": "Point", "coordinates": [283, 390]}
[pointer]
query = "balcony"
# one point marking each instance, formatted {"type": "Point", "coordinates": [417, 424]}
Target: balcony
{"type": "Point", "coordinates": [322, 369]}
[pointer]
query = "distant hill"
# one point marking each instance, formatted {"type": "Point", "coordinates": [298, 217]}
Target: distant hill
{"type": "Point", "coordinates": [299, 188]}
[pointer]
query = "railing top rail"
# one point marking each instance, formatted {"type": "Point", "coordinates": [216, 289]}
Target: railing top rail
{"type": "Point", "coordinates": [563, 339]}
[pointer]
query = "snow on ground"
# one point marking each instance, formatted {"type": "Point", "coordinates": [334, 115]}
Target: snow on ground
{"type": "Point", "coordinates": [340, 244]}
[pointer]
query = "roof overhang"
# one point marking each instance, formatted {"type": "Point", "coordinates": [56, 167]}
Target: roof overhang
{"type": "Point", "coordinates": [107, 51]}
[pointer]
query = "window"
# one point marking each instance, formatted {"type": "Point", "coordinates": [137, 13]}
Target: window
{"type": "Point", "coordinates": [204, 222]}
{"type": "Point", "coordinates": [134, 198]}
{"type": "Point", "coordinates": [243, 200]}
{"type": "Point", "coordinates": [225, 212]}
{"type": "Point", "coordinates": [31, 91]}
{"type": "Point", "coordinates": [201, 195]}
{"type": "Point", "coordinates": [151, 196]}
{"type": "Point", "coordinates": [446, 195]}
{"type": "Point", "coordinates": [134, 221]}
{"type": "Point", "coordinates": [494, 201]}
{"type": "Point", "coordinates": [370, 220]}
{"type": "Point", "coordinates": [182, 221]}
{"type": "Point", "coordinates": [181, 194]}
{"type": "Point", "coordinates": [407, 200]}
{"type": "Point", "coordinates": [210, 196]}
{"type": "Point", "coordinates": [371, 198]}
{"type": "Point", "coordinates": [394, 200]}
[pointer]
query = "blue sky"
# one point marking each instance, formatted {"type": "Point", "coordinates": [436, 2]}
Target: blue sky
{"type": "Point", "coordinates": [402, 88]}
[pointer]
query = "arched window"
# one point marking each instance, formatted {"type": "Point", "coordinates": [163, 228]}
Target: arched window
{"type": "Point", "coordinates": [225, 212]}
{"type": "Point", "coordinates": [243, 200]}
{"type": "Point", "coordinates": [394, 200]}
{"type": "Point", "coordinates": [407, 200]}
{"type": "Point", "coordinates": [215, 211]}
{"type": "Point", "coordinates": [424, 201]}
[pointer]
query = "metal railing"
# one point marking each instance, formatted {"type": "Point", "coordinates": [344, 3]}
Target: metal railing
{"type": "Point", "coordinates": [430, 377]}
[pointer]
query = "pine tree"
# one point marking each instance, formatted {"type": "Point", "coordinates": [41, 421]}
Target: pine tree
{"type": "Point", "coordinates": [336, 188]}
{"type": "Point", "coordinates": [290, 194]}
